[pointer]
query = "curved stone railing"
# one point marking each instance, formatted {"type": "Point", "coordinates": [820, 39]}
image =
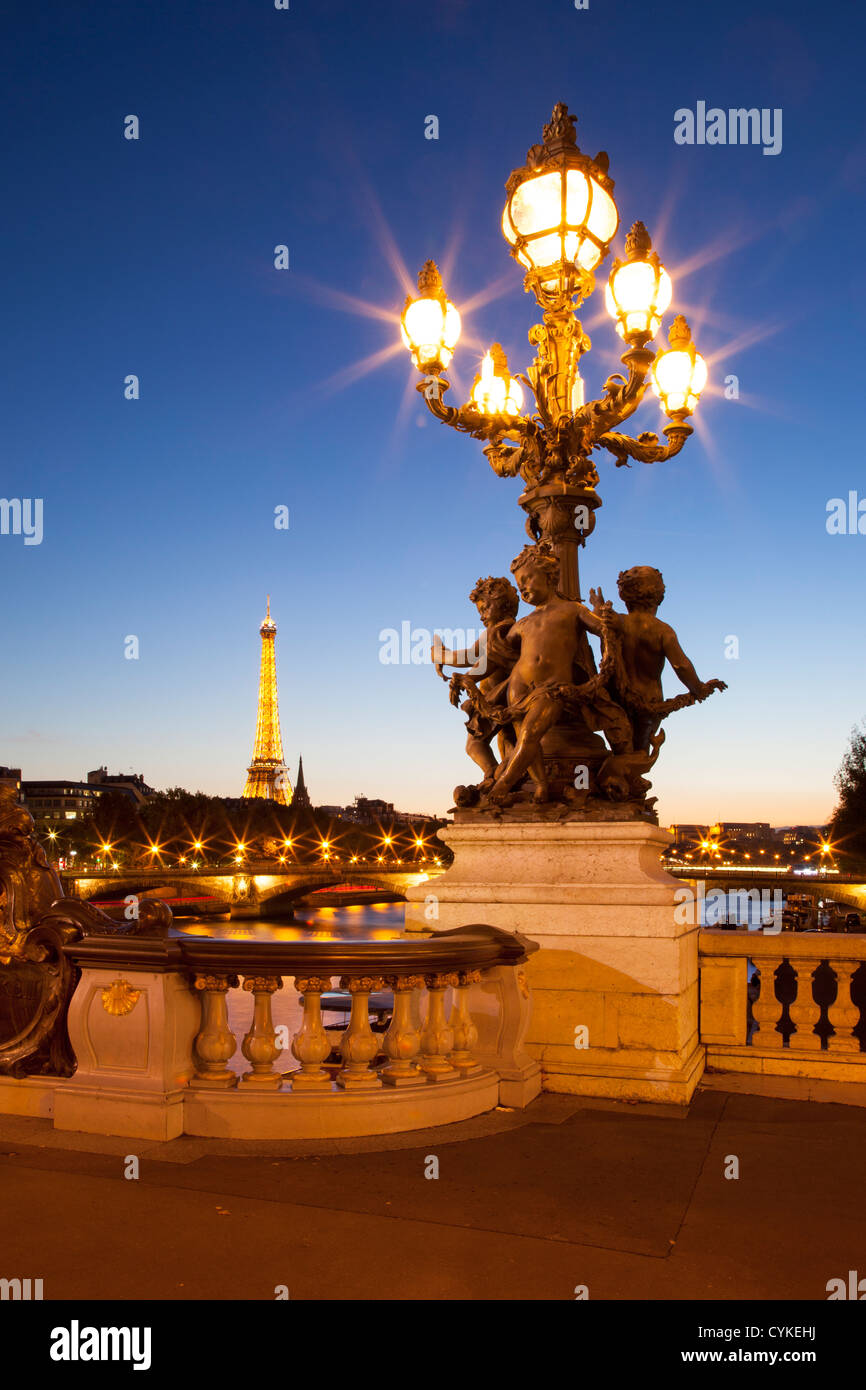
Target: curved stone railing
{"type": "Point", "coordinates": [798, 1018]}
{"type": "Point", "coordinates": [150, 1029]}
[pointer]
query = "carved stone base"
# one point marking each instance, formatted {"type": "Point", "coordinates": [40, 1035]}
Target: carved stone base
{"type": "Point", "coordinates": [585, 810]}
{"type": "Point", "coordinates": [614, 987]}
{"type": "Point", "coordinates": [419, 1079]}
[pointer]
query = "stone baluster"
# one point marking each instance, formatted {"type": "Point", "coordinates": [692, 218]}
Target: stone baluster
{"type": "Point", "coordinates": [260, 1044]}
{"type": "Point", "coordinates": [843, 1012]}
{"type": "Point", "coordinates": [402, 1042]}
{"type": "Point", "coordinates": [767, 1009]}
{"type": "Point", "coordinates": [359, 1044]}
{"type": "Point", "coordinates": [804, 1011]}
{"type": "Point", "coordinates": [465, 1032]}
{"type": "Point", "coordinates": [215, 1044]}
{"type": "Point", "coordinates": [437, 1037]}
{"type": "Point", "coordinates": [310, 1044]}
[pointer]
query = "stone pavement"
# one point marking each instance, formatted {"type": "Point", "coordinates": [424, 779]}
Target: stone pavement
{"type": "Point", "coordinates": [630, 1200]}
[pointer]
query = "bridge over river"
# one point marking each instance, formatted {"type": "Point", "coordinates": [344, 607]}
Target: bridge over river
{"type": "Point", "coordinates": [252, 891]}
{"type": "Point", "coordinates": [263, 890]}
{"type": "Point", "coordinates": [848, 889]}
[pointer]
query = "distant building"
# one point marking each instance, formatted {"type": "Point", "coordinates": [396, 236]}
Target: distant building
{"type": "Point", "coordinates": [688, 836]}
{"type": "Point", "coordinates": [803, 836]}
{"type": "Point", "coordinates": [369, 810]}
{"type": "Point", "coordinates": [374, 811]}
{"type": "Point", "coordinates": [742, 830]}
{"type": "Point", "coordinates": [56, 799]}
{"type": "Point", "coordinates": [11, 777]}
{"type": "Point", "coordinates": [133, 784]}
{"type": "Point", "coordinates": [420, 818]}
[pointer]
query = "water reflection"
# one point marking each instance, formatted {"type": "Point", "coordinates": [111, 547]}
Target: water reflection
{"type": "Point", "coordinates": [366, 922]}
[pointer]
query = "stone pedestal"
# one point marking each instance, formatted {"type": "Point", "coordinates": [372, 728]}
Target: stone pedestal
{"type": "Point", "coordinates": [615, 984]}
{"type": "Point", "coordinates": [132, 1032]}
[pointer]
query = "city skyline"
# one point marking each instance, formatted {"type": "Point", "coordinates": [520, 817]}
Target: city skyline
{"type": "Point", "coordinates": [254, 394]}
{"type": "Point", "coordinates": [45, 769]}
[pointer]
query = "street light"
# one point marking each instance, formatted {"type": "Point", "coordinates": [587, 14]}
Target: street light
{"type": "Point", "coordinates": [559, 220]}
{"type": "Point", "coordinates": [560, 217]}
{"type": "Point", "coordinates": [430, 325]}
{"type": "Point", "coordinates": [495, 391]}
{"type": "Point", "coordinates": [639, 289]}
{"type": "Point", "coordinates": [680, 374]}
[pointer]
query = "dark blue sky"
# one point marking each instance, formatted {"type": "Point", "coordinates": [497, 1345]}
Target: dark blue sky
{"type": "Point", "coordinates": [306, 127]}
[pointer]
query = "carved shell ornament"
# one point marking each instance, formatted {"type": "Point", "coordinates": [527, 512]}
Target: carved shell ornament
{"type": "Point", "coordinates": [120, 998]}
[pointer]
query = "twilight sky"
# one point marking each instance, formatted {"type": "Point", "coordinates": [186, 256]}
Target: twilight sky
{"type": "Point", "coordinates": [305, 127]}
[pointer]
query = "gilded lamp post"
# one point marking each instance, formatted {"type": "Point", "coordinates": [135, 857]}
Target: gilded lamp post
{"type": "Point", "coordinates": [559, 220]}
{"type": "Point", "coordinates": [537, 703]}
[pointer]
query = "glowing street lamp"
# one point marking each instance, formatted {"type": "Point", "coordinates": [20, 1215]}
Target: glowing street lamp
{"type": "Point", "coordinates": [560, 216]}
{"type": "Point", "coordinates": [680, 374]}
{"type": "Point", "coordinates": [495, 391]}
{"type": "Point", "coordinates": [639, 289]}
{"type": "Point", "coordinates": [430, 325]}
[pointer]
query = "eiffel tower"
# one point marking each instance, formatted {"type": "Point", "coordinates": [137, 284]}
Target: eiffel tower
{"type": "Point", "coordinates": [267, 775]}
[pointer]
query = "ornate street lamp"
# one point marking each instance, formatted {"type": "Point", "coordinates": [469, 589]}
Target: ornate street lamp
{"type": "Point", "coordinates": [430, 325]}
{"type": "Point", "coordinates": [495, 391]}
{"type": "Point", "coordinates": [639, 289]}
{"type": "Point", "coordinates": [559, 220]}
{"type": "Point", "coordinates": [679, 375]}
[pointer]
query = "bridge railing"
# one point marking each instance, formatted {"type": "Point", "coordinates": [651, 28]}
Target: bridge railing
{"type": "Point", "coordinates": [150, 1027]}
{"type": "Point", "coordinates": [799, 1012]}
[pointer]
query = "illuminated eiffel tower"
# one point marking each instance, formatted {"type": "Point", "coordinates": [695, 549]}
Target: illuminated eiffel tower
{"type": "Point", "coordinates": [267, 775]}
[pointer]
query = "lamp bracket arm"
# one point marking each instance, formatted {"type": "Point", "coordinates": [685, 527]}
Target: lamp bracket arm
{"type": "Point", "coordinates": [622, 396]}
{"type": "Point", "coordinates": [646, 448]}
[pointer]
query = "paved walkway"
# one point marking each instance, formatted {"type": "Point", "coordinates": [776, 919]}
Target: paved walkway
{"type": "Point", "coordinates": [630, 1200]}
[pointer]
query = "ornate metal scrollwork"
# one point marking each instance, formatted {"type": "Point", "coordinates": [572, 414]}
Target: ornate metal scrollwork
{"type": "Point", "coordinates": [36, 923]}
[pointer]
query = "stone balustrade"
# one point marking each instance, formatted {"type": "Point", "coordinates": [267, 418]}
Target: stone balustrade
{"type": "Point", "coordinates": [805, 1004]}
{"type": "Point", "coordinates": [425, 1040]}
{"type": "Point", "coordinates": [158, 1052]}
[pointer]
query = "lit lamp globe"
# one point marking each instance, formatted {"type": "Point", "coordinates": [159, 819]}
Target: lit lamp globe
{"type": "Point", "coordinates": [495, 391]}
{"type": "Point", "coordinates": [679, 375]}
{"type": "Point", "coordinates": [639, 289]}
{"type": "Point", "coordinates": [560, 217]}
{"type": "Point", "coordinates": [430, 325]}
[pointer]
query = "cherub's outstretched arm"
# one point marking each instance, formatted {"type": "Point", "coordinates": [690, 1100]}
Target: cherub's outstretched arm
{"type": "Point", "coordinates": [684, 668]}
{"type": "Point", "coordinates": [475, 657]}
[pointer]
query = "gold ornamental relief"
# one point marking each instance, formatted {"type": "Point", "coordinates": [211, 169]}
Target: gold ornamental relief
{"type": "Point", "coordinates": [120, 998]}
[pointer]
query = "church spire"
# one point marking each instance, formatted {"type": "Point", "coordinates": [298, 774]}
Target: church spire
{"type": "Point", "coordinates": [301, 797]}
